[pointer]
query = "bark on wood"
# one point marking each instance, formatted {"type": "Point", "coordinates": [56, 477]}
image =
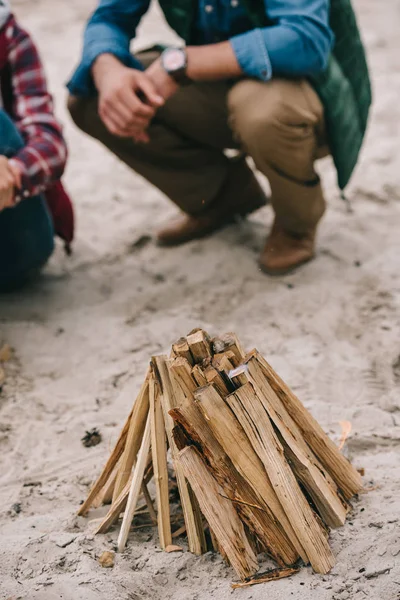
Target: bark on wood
{"type": "Point", "coordinates": [134, 438]}
{"type": "Point", "coordinates": [222, 517]}
{"type": "Point", "coordinates": [191, 512]}
{"type": "Point", "coordinates": [229, 433]}
{"type": "Point", "coordinates": [159, 454]}
{"type": "Point", "coordinates": [343, 473]}
{"type": "Point", "coordinates": [251, 414]}
{"type": "Point", "coordinates": [259, 520]}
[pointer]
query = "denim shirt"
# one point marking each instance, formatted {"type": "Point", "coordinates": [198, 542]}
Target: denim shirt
{"type": "Point", "coordinates": [296, 44]}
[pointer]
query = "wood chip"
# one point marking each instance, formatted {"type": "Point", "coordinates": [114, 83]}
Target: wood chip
{"type": "Point", "coordinates": [107, 559]}
{"type": "Point", "coordinates": [173, 548]}
{"type": "Point", "coordinates": [273, 575]}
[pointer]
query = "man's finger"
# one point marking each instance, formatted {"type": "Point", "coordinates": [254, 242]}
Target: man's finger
{"type": "Point", "coordinates": [149, 90]}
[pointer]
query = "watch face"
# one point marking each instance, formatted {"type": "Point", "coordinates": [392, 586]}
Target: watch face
{"type": "Point", "coordinates": [174, 60]}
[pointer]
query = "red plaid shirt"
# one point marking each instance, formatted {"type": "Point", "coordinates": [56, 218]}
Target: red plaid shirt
{"type": "Point", "coordinates": [43, 158]}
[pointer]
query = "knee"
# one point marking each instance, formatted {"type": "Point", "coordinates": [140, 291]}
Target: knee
{"type": "Point", "coordinates": [259, 109]}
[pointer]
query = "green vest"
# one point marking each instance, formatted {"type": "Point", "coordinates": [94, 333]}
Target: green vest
{"type": "Point", "coordinates": [344, 87]}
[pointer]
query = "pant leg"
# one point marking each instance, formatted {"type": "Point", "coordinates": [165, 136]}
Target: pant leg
{"type": "Point", "coordinates": [281, 125]}
{"type": "Point", "coordinates": [185, 157]}
{"type": "Point", "coordinates": [26, 230]}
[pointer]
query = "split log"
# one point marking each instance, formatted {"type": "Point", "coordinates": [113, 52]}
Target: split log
{"type": "Point", "coordinates": [229, 342]}
{"type": "Point", "coordinates": [259, 519]}
{"type": "Point", "coordinates": [229, 433]}
{"type": "Point", "coordinates": [159, 454]}
{"type": "Point", "coordinates": [222, 517]}
{"type": "Point", "coordinates": [215, 378]}
{"type": "Point", "coordinates": [307, 468]}
{"type": "Point", "coordinates": [200, 346]}
{"type": "Point", "coordinates": [190, 508]}
{"type": "Point", "coordinates": [182, 375]}
{"type": "Point", "coordinates": [134, 438]}
{"type": "Point", "coordinates": [198, 376]}
{"type": "Point", "coordinates": [344, 474]}
{"type": "Point", "coordinates": [251, 415]}
{"type": "Point", "coordinates": [135, 487]}
{"type": "Point", "coordinates": [181, 348]}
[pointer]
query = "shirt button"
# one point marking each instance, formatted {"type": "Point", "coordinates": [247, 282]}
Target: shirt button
{"type": "Point", "coordinates": [26, 194]}
{"type": "Point", "coordinates": [234, 3]}
{"type": "Point", "coordinates": [208, 8]}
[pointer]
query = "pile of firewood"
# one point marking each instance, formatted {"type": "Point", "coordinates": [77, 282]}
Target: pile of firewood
{"type": "Point", "coordinates": [253, 468]}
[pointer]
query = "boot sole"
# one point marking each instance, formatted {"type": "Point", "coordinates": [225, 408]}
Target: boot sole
{"type": "Point", "coordinates": [287, 271]}
{"type": "Point", "coordinates": [209, 231]}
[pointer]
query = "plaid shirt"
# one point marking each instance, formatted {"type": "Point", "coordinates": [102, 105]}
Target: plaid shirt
{"type": "Point", "coordinates": [42, 159]}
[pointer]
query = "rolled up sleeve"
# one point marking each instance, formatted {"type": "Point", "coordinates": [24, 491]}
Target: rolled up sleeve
{"type": "Point", "coordinates": [298, 42]}
{"type": "Point", "coordinates": [109, 31]}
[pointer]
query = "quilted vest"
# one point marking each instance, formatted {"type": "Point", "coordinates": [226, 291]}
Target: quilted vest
{"type": "Point", "coordinates": [344, 87]}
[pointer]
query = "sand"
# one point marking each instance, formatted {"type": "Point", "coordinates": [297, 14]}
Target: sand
{"type": "Point", "coordinates": [84, 332]}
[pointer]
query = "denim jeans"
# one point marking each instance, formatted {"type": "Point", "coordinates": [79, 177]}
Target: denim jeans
{"type": "Point", "coordinates": [26, 230]}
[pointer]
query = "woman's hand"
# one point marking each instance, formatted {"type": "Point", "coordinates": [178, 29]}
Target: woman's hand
{"type": "Point", "coordinates": [8, 184]}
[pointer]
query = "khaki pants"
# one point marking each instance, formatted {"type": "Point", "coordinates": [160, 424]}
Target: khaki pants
{"type": "Point", "coordinates": [279, 124]}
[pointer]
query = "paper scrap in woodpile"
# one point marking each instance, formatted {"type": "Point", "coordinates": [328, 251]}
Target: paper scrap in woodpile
{"type": "Point", "coordinates": [255, 472]}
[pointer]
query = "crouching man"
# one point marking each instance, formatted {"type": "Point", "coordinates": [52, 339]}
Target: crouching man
{"type": "Point", "coordinates": [283, 82]}
{"type": "Point", "coordinates": [33, 204]}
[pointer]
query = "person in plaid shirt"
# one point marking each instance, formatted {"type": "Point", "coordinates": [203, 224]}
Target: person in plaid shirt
{"type": "Point", "coordinates": [33, 153]}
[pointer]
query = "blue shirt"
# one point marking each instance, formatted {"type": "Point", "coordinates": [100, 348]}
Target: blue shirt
{"type": "Point", "coordinates": [297, 42]}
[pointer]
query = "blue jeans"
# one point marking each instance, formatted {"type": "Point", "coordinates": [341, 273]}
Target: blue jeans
{"type": "Point", "coordinates": [26, 230]}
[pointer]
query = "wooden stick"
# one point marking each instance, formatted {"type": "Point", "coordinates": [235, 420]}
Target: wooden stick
{"type": "Point", "coordinates": [229, 341]}
{"type": "Point", "coordinates": [200, 346]}
{"type": "Point", "coordinates": [251, 414]}
{"type": "Point", "coordinates": [191, 512]}
{"type": "Point", "coordinates": [259, 519]}
{"type": "Point", "coordinates": [115, 510]}
{"type": "Point", "coordinates": [273, 575]}
{"type": "Point", "coordinates": [181, 348]}
{"type": "Point", "coordinates": [222, 517]}
{"type": "Point", "coordinates": [159, 453]}
{"type": "Point", "coordinates": [182, 375]}
{"type": "Point", "coordinates": [135, 487]}
{"type": "Point", "coordinates": [307, 468]}
{"type": "Point", "coordinates": [234, 441]}
{"type": "Point", "coordinates": [108, 468]}
{"type": "Point", "coordinates": [134, 438]}
{"type": "Point", "coordinates": [149, 503]}
{"type": "Point", "coordinates": [198, 376]}
{"type": "Point", "coordinates": [345, 475]}
{"type": "Point", "coordinates": [106, 494]}
{"type": "Point", "coordinates": [215, 378]}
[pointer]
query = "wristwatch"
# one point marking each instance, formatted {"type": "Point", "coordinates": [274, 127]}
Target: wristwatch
{"type": "Point", "coordinates": [174, 62]}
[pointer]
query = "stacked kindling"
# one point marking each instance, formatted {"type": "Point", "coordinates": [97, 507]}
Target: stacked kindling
{"type": "Point", "coordinates": [253, 467]}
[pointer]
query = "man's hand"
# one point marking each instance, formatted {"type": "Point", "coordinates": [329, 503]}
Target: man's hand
{"type": "Point", "coordinates": [128, 99]}
{"type": "Point", "coordinates": [164, 83]}
{"type": "Point", "coordinates": [7, 184]}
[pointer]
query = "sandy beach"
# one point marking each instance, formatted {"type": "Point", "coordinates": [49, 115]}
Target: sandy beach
{"type": "Point", "coordinates": [81, 337]}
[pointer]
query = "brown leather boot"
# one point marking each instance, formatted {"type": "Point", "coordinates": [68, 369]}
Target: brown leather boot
{"type": "Point", "coordinates": [237, 199]}
{"type": "Point", "coordinates": [285, 251]}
